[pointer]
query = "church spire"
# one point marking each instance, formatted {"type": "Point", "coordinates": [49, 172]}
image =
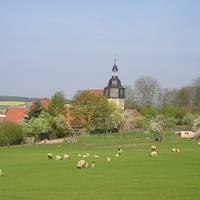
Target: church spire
{"type": "Point", "coordinates": [115, 69]}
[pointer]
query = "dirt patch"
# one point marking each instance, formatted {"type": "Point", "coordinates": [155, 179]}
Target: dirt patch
{"type": "Point", "coordinates": [56, 141]}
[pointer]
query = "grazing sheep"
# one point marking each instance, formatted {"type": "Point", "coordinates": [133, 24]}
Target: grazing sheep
{"type": "Point", "coordinates": [1, 172]}
{"type": "Point", "coordinates": [81, 164]}
{"type": "Point", "coordinates": [86, 165]}
{"type": "Point", "coordinates": [50, 156]}
{"type": "Point", "coordinates": [198, 143]}
{"type": "Point", "coordinates": [175, 150]}
{"type": "Point", "coordinates": [58, 157]}
{"type": "Point", "coordinates": [153, 148]}
{"type": "Point", "coordinates": [117, 155]}
{"type": "Point", "coordinates": [153, 154]}
{"type": "Point", "coordinates": [80, 155]}
{"type": "Point", "coordinates": [86, 155]}
{"type": "Point", "coordinates": [93, 164]}
{"type": "Point", "coordinates": [66, 157]}
{"type": "Point", "coordinates": [96, 156]}
{"type": "Point", "coordinates": [120, 150]}
{"type": "Point", "coordinates": [108, 159]}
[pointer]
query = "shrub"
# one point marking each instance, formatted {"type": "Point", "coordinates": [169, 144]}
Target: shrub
{"type": "Point", "coordinates": [10, 134]}
{"type": "Point", "coordinates": [148, 111]}
{"type": "Point", "coordinates": [196, 124]}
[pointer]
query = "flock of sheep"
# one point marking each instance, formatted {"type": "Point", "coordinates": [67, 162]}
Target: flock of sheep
{"type": "Point", "coordinates": [154, 153]}
{"type": "Point", "coordinates": [82, 163]}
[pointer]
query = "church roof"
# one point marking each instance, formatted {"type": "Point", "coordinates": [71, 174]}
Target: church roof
{"type": "Point", "coordinates": [96, 92]}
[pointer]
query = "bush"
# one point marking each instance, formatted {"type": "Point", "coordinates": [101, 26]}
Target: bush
{"type": "Point", "coordinates": [148, 111]}
{"type": "Point", "coordinates": [10, 134]}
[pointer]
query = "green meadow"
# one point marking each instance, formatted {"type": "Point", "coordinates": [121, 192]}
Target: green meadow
{"type": "Point", "coordinates": [29, 175]}
{"type": "Point", "coordinates": [6, 104]}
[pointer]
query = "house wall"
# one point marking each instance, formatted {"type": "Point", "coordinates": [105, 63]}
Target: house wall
{"type": "Point", "coordinates": [118, 102]}
{"type": "Point", "coordinates": [188, 134]}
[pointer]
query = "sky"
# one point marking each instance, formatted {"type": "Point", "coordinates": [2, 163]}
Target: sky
{"type": "Point", "coordinates": [48, 46]}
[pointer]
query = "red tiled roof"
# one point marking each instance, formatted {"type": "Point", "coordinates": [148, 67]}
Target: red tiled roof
{"type": "Point", "coordinates": [96, 92]}
{"type": "Point", "coordinates": [16, 114]}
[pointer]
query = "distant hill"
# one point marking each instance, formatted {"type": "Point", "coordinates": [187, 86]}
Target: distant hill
{"type": "Point", "coordinates": [16, 98]}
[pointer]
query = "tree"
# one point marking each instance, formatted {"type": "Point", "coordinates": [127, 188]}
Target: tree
{"type": "Point", "coordinates": [84, 108]}
{"type": "Point", "coordinates": [169, 111]}
{"type": "Point", "coordinates": [58, 126]}
{"type": "Point", "coordinates": [196, 124]}
{"type": "Point", "coordinates": [105, 117]}
{"type": "Point", "coordinates": [37, 127]}
{"type": "Point", "coordinates": [10, 133]}
{"type": "Point", "coordinates": [93, 111]}
{"type": "Point", "coordinates": [184, 97]}
{"type": "Point", "coordinates": [46, 126]}
{"type": "Point", "coordinates": [35, 110]}
{"type": "Point", "coordinates": [57, 104]}
{"type": "Point", "coordinates": [155, 125]}
{"type": "Point", "coordinates": [196, 98]}
{"type": "Point", "coordinates": [114, 121]}
{"type": "Point", "coordinates": [148, 111]}
{"type": "Point", "coordinates": [147, 90]}
{"type": "Point", "coordinates": [167, 97]}
{"type": "Point", "coordinates": [130, 102]}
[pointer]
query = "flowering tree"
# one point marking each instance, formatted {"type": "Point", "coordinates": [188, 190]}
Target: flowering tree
{"type": "Point", "coordinates": [196, 124]}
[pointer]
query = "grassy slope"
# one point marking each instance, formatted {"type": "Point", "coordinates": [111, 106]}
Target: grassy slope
{"type": "Point", "coordinates": [12, 103]}
{"type": "Point", "coordinates": [29, 175]}
{"type": "Point", "coordinates": [5, 104]}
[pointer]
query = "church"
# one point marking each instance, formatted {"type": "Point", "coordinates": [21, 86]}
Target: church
{"type": "Point", "coordinates": [114, 90]}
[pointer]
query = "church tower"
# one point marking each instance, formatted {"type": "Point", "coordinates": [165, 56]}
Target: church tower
{"type": "Point", "coordinates": [114, 90]}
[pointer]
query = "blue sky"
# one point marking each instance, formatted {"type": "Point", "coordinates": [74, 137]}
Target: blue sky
{"type": "Point", "coordinates": [48, 46]}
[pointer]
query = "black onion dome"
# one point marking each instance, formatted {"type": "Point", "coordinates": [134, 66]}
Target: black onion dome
{"type": "Point", "coordinates": [114, 82]}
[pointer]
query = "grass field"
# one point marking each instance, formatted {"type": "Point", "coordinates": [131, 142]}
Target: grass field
{"type": "Point", "coordinates": [5, 104]}
{"type": "Point", "coordinates": [28, 174]}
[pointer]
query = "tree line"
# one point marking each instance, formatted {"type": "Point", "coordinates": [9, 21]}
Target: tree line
{"type": "Point", "coordinates": [148, 92]}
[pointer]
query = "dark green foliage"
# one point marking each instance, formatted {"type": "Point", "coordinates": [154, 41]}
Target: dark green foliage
{"type": "Point", "coordinates": [34, 111]}
{"type": "Point", "coordinates": [184, 97]}
{"type": "Point", "coordinates": [57, 104]}
{"type": "Point", "coordinates": [10, 134]}
{"type": "Point", "coordinates": [148, 111]}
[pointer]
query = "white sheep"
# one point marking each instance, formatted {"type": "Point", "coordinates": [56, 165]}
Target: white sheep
{"type": "Point", "coordinates": [96, 156]}
{"type": "Point", "coordinates": [117, 155]}
{"type": "Point", "coordinates": [175, 150]}
{"type": "Point", "coordinates": [50, 156]}
{"type": "Point", "coordinates": [108, 159]}
{"type": "Point", "coordinates": [199, 143]}
{"type": "Point", "coordinates": [58, 157]}
{"type": "Point", "coordinates": [81, 164]}
{"type": "Point", "coordinates": [66, 157]}
{"type": "Point", "coordinates": [80, 155]}
{"type": "Point", "coordinates": [85, 155]}
{"type": "Point", "coordinates": [120, 150]}
{"type": "Point", "coordinates": [1, 173]}
{"type": "Point", "coordinates": [86, 165]}
{"type": "Point", "coordinates": [153, 148]}
{"type": "Point", "coordinates": [93, 164]}
{"type": "Point", "coordinates": [153, 154]}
